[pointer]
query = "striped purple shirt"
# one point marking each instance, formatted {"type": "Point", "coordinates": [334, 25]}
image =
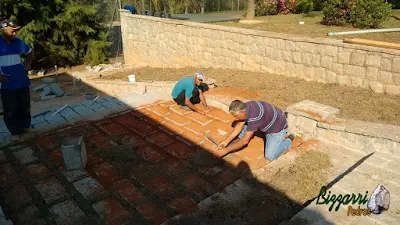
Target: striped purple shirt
{"type": "Point", "coordinates": [264, 117]}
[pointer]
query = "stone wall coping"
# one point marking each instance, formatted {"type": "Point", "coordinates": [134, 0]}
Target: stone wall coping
{"type": "Point", "coordinates": [268, 34]}
{"type": "Point", "coordinates": [121, 82]}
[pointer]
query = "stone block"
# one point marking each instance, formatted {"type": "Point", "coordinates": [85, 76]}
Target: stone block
{"type": "Point", "coordinates": [74, 153]}
{"type": "Point", "coordinates": [357, 59]}
{"type": "Point", "coordinates": [373, 60]}
{"type": "Point", "coordinates": [356, 71]}
{"type": "Point", "coordinates": [377, 86]}
{"type": "Point", "coordinates": [55, 88]}
{"type": "Point", "coordinates": [67, 212]}
{"type": "Point", "coordinates": [344, 58]}
{"type": "Point", "coordinates": [307, 58]}
{"type": "Point", "coordinates": [25, 155]}
{"type": "Point", "coordinates": [330, 77]}
{"type": "Point", "coordinates": [386, 64]}
{"type": "Point", "coordinates": [396, 78]}
{"type": "Point", "coordinates": [316, 61]}
{"type": "Point", "coordinates": [372, 73]}
{"type": "Point", "coordinates": [355, 81]}
{"type": "Point", "coordinates": [39, 88]}
{"type": "Point", "coordinates": [45, 92]}
{"type": "Point", "coordinates": [337, 68]}
{"type": "Point", "coordinates": [48, 97]}
{"type": "Point", "coordinates": [327, 62]}
{"type": "Point", "coordinates": [83, 111]}
{"type": "Point", "coordinates": [396, 65]}
{"type": "Point", "coordinates": [48, 80]}
{"type": "Point", "coordinates": [296, 57]}
{"type": "Point", "coordinates": [393, 89]}
{"type": "Point", "coordinates": [43, 126]}
{"type": "Point", "coordinates": [51, 189]}
{"type": "Point", "coordinates": [89, 188]}
{"type": "Point", "coordinates": [56, 119]}
{"type": "Point", "coordinates": [39, 119]}
{"type": "Point", "coordinates": [385, 77]}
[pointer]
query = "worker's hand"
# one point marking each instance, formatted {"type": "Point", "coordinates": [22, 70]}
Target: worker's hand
{"type": "Point", "coordinates": [201, 112]}
{"type": "Point", "coordinates": [208, 108]}
{"type": "Point", "coordinates": [3, 78]}
{"type": "Point", "coordinates": [222, 145]}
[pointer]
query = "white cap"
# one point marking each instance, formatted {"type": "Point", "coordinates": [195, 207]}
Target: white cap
{"type": "Point", "coordinates": [199, 75]}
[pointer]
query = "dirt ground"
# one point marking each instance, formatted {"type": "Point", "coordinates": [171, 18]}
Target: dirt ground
{"type": "Point", "coordinates": [354, 103]}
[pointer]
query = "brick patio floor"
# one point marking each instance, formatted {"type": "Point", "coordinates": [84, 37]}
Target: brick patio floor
{"type": "Point", "coordinates": [155, 180]}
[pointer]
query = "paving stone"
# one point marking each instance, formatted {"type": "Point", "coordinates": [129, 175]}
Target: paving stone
{"type": "Point", "coordinates": [142, 172]}
{"type": "Point", "coordinates": [55, 88]}
{"type": "Point", "coordinates": [46, 92]}
{"type": "Point", "coordinates": [73, 117]}
{"type": "Point", "coordinates": [179, 150]}
{"type": "Point", "coordinates": [171, 167]}
{"type": "Point", "coordinates": [48, 80]}
{"type": "Point", "coordinates": [154, 119]}
{"type": "Point", "coordinates": [198, 186]}
{"type": "Point", "coordinates": [37, 171]}
{"type": "Point", "coordinates": [104, 173]}
{"type": "Point", "coordinates": [127, 191]}
{"type": "Point", "coordinates": [51, 189]}
{"type": "Point", "coordinates": [47, 97]}
{"type": "Point", "coordinates": [171, 128]}
{"type": "Point", "coordinates": [183, 204]}
{"type": "Point", "coordinates": [3, 159]}
{"type": "Point", "coordinates": [25, 155]}
{"type": "Point", "coordinates": [201, 119]}
{"type": "Point", "coordinates": [56, 156]}
{"type": "Point", "coordinates": [134, 139]}
{"type": "Point", "coordinates": [17, 197]}
{"type": "Point", "coordinates": [56, 119]}
{"type": "Point", "coordinates": [67, 213]}
{"type": "Point", "coordinates": [7, 175]}
{"type": "Point", "coordinates": [45, 142]}
{"type": "Point", "coordinates": [92, 159]}
{"type": "Point", "coordinates": [160, 139]}
{"type": "Point", "coordinates": [220, 115]}
{"type": "Point", "coordinates": [73, 106]}
{"type": "Point", "coordinates": [111, 105]}
{"type": "Point", "coordinates": [83, 111]}
{"type": "Point", "coordinates": [89, 188]}
{"type": "Point", "coordinates": [75, 175]}
{"type": "Point", "coordinates": [67, 111]}
{"type": "Point", "coordinates": [144, 129]}
{"type": "Point", "coordinates": [113, 129]}
{"type": "Point", "coordinates": [141, 112]}
{"type": "Point", "coordinates": [95, 105]}
{"type": "Point", "coordinates": [159, 110]}
{"type": "Point", "coordinates": [177, 109]}
{"type": "Point", "coordinates": [101, 140]}
{"type": "Point", "coordinates": [128, 120]}
{"type": "Point", "coordinates": [112, 212]}
{"type": "Point", "coordinates": [168, 103]}
{"type": "Point", "coordinates": [177, 119]}
{"type": "Point", "coordinates": [39, 119]}
{"type": "Point", "coordinates": [103, 110]}
{"type": "Point", "coordinates": [28, 215]}
{"type": "Point", "coordinates": [225, 178]}
{"type": "Point", "coordinates": [196, 128]}
{"type": "Point", "coordinates": [159, 186]}
{"type": "Point", "coordinates": [39, 88]}
{"type": "Point", "coordinates": [43, 126]}
{"type": "Point", "coordinates": [152, 213]}
{"type": "Point", "coordinates": [151, 154]}
{"type": "Point", "coordinates": [191, 138]}
{"type": "Point", "coordinates": [211, 171]}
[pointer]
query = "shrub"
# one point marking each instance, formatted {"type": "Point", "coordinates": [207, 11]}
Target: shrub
{"type": "Point", "coordinates": [304, 6]}
{"type": "Point", "coordinates": [370, 13]}
{"type": "Point", "coordinates": [266, 7]}
{"type": "Point", "coordinates": [336, 12]}
{"type": "Point", "coordinates": [97, 50]}
{"type": "Point", "coordinates": [318, 4]}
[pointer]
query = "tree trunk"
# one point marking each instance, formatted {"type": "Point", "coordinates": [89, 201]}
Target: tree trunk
{"type": "Point", "coordinates": [250, 10]}
{"type": "Point", "coordinates": [142, 4]}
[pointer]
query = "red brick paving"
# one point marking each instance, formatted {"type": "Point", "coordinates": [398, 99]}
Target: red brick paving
{"type": "Point", "coordinates": [17, 197]}
{"type": "Point", "coordinates": [160, 170]}
{"type": "Point", "coordinates": [127, 191]}
{"type": "Point", "coordinates": [159, 186]}
{"type": "Point", "coordinates": [160, 139]}
{"type": "Point", "coordinates": [183, 204]}
{"type": "Point", "coordinates": [7, 175]}
{"type": "Point", "coordinates": [179, 150]}
{"type": "Point", "coordinates": [177, 109]}
{"type": "Point", "coordinates": [28, 215]}
{"type": "Point", "coordinates": [112, 212]}
{"type": "Point", "coordinates": [153, 213]}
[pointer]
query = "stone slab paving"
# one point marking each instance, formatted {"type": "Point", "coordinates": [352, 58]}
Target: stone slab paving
{"type": "Point", "coordinates": [380, 168]}
{"type": "Point", "coordinates": [151, 177]}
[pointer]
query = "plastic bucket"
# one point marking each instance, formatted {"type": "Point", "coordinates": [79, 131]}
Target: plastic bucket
{"type": "Point", "coordinates": [132, 78]}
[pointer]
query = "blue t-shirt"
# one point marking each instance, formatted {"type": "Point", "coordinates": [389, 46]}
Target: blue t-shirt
{"type": "Point", "coordinates": [130, 8]}
{"type": "Point", "coordinates": [11, 63]}
{"type": "Point", "coordinates": [185, 84]}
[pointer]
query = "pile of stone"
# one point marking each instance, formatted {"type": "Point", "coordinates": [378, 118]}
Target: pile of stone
{"type": "Point", "coordinates": [104, 67]}
{"type": "Point", "coordinates": [49, 89]}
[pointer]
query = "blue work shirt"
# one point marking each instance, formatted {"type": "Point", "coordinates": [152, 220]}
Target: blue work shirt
{"type": "Point", "coordinates": [131, 8]}
{"type": "Point", "coordinates": [11, 63]}
{"type": "Point", "coordinates": [185, 84]}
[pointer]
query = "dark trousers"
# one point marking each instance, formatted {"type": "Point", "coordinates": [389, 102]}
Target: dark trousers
{"type": "Point", "coordinates": [195, 99]}
{"type": "Point", "coordinates": [17, 109]}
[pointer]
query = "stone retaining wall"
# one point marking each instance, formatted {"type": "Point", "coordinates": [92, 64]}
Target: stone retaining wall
{"type": "Point", "coordinates": [158, 42]}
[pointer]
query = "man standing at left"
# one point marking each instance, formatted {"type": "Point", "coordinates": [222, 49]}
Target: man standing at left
{"type": "Point", "coordinates": [14, 80]}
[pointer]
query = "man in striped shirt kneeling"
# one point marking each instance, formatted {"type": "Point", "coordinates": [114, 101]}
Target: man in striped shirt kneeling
{"type": "Point", "coordinates": [255, 116]}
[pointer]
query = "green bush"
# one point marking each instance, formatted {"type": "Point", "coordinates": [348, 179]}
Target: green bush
{"type": "Point", "coordinates": [266, 7]}
{"type": "Point", "coordinates": [370, 13]}
{"type": "Point", "coordinates": [97, 50]}
{"type": "Point", "coordinates": [304, 6]}
{"type": "Point", "coordinates": [318, 4]}
{"type": "Point", "coordinates": [336, 12]}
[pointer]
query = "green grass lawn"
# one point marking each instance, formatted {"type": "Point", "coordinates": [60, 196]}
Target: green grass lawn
{"type": "Point", "coordinates": [312, 27]}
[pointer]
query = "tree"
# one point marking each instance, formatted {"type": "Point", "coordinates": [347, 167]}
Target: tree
{"type": "Point", "coordinates": [250, 10]}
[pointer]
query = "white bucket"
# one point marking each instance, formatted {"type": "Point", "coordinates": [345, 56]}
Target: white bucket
{"type": "Point", "coordinates": [132, 78]}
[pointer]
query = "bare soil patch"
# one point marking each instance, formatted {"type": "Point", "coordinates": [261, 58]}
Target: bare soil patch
{"type": "Point", "coordinates": [354, 103]}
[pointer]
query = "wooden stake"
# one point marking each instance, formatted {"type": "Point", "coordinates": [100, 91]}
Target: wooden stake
{"type": "Point", "coordinates": [380, 44]}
